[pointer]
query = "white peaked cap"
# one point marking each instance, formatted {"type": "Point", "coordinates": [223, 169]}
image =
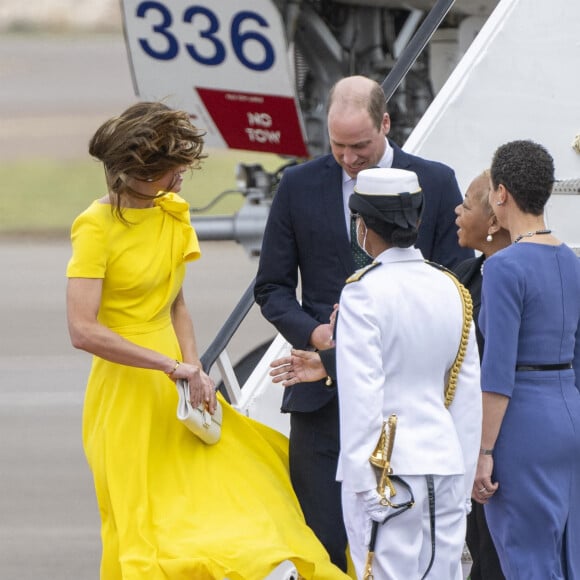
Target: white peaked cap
{"type": "Point", "coordinates": [389, 195]}
{"type": "Point", "coordinates": [384, 181]}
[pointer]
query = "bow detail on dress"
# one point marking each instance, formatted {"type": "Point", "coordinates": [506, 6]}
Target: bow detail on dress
{"type": "Point", "coordinates": [178, 208]}
{"type": "Point", "coordinates": [174, 205]}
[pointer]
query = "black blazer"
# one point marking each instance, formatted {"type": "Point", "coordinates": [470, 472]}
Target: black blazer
{"type": "Point", "coordinates": [306, 234]}
{"type": "Point", "coordinates": [469, 274]}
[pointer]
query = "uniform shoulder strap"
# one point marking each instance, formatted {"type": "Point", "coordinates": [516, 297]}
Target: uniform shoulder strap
{"type": "Point", "coordinates": [360, 273]}
{"type": "Point", "coordinates": [467, 307]}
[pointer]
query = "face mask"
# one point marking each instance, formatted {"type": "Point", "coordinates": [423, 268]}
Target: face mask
{"type": "Point", "coordinates": [364, 238]}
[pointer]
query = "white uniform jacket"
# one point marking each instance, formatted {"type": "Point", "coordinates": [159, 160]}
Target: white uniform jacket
{"type": "Point", "coordinates": [398, 333]}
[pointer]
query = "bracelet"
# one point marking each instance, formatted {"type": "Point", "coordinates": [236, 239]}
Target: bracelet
{"type": "Point", "coordinates": [483, 451]}
{"type": "Point", "coordinates": [177, 363]}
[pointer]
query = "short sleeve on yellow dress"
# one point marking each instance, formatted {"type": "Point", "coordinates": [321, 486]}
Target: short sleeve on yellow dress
{"type": "Point", "coordinates": [171, 507]}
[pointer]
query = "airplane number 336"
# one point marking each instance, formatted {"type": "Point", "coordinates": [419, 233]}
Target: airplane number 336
{"type": "Point", "coordinates": [209, 49]}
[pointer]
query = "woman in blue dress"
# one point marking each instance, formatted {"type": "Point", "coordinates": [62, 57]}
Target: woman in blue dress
{"type": "Point", "coordinates": [529, 466]}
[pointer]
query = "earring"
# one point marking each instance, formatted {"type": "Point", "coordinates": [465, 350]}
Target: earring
{"type": "Point", "coordinates": [489, 238]}
{"type": "Point", "coordinates": [499, 202]}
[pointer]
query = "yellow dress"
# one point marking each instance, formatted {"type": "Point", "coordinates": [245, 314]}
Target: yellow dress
{"type": "Point", "coordinates": [172, 507]}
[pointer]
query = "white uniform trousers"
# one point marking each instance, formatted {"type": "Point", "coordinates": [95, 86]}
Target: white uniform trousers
{"type": "Point", "coordinates": [403, 544]}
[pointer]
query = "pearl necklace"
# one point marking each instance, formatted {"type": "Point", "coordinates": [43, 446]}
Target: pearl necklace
{"type": "Point", "coordinates": [530, 234]}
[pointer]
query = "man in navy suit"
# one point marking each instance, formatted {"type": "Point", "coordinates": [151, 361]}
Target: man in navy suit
{"type": "Point", "coordinates": [307, 241]}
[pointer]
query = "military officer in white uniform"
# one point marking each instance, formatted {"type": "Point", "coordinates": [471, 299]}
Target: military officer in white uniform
{"type": "Point", "coordinates": [400, 325]}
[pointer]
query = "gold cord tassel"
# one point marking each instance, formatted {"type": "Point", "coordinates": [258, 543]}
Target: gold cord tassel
{"type": "Point", "coordinates": [368, 573]}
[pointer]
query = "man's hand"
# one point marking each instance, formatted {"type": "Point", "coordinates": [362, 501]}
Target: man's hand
{"type": "Point", "coordinates": [321, 337]}
{"type": "Point", "coordinates": [302, 366]}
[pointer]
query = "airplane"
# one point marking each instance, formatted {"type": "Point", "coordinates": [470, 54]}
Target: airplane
{"type": "Point", "coordinates": [255, 75]}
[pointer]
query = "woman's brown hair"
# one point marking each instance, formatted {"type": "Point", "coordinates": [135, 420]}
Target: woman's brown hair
{"type": "Point", "coordinates": [144, 142]}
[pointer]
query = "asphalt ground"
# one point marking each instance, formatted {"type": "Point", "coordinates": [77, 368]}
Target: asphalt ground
{"type": "Point", "coordinates": [55, 90]}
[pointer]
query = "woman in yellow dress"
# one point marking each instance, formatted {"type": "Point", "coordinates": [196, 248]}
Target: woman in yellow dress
{"type": "Point", "coordinates": [171, 506]}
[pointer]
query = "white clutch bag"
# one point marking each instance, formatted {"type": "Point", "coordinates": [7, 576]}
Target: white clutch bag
{"type": "Point", "coordinates": [198, 420]}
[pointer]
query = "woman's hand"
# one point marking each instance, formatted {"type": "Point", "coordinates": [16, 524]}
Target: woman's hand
{"type": "Point", "coordinates": [333, 316]}
{"type": "Point", "coordinates": [303, 366]}
{"type": "Point", "coordinates": [483, 488]}
{"type": "Point", "coordinates": [201, 385]}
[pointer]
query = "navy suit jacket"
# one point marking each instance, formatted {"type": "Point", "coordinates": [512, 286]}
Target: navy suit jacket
{"type": "Point", "coordinates": [306, 243]}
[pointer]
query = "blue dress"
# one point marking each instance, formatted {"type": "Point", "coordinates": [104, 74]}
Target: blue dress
{"type": "Point", "coordinates": [530, 316]}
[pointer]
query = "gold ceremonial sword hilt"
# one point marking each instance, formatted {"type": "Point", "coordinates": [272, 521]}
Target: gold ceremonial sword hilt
{"type": "Point", "coordinates": [381, 458]}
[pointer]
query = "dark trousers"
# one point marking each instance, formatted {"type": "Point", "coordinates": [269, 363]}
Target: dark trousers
{"type": "Point", "coordinates": [314, 446]}
{"type": "Point", "coordinates": [486, 564]}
